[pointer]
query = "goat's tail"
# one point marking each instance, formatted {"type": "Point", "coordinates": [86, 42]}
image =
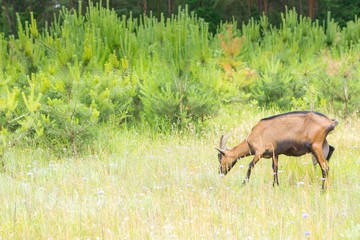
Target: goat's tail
{"type": "Point", "coordinates": [333, 124]}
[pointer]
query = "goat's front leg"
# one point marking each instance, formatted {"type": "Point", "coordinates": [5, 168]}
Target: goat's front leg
{"type": "Point", "coordinates": [251, 166]}
{"type": "Point", "coordinates": [275, 159]}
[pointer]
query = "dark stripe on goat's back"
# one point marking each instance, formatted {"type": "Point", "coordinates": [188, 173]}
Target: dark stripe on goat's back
{"type": "Point", "coordinates": [294, 112]}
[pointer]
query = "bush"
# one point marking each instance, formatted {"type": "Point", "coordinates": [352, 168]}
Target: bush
{"type": "Point", "coordinates": [179, 77]}
{"type": "Point", "coordinates": [59, 83]}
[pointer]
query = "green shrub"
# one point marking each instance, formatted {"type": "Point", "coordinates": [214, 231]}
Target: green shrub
{"type": "Point", "coordinates": [179, 78]}
{"type": "Point", "coordinates": [57, 84]}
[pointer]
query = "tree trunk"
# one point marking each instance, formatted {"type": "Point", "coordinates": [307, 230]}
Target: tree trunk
{"type": "Point", "coordinates": [158, 3]}
{"type": "Point", "coordinates": [300, 10]}
{"type": "Point", "coordinates": [169, 8]}
{"type": "Point", "coordinates": [249, 8]}
{"type": "Point", "coordinates": [260, 6]}
{"type": "Point", "coordinates": [311, 8]}
{"type": "Point", "coordinates": [8, 17]}
{"type": "Point", "coordinates": [265, 7]}
{"type": "Point", "coordinates": [145, 7]}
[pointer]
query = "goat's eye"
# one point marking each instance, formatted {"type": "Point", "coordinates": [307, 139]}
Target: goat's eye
{"type": "Point", "coordinates": [219, 157]}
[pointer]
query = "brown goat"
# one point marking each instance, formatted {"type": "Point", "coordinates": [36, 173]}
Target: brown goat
{"type": "Point", "coordinates": [291, 134]}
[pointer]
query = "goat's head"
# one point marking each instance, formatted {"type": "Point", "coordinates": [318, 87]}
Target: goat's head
{"type": "Point", "coordinates": [225, 159]}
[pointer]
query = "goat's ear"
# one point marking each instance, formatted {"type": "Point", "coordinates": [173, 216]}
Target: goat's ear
{"type": "Point", "coordinates": [221, 151]}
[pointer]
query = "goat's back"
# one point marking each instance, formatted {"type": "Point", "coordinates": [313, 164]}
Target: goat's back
{"type": "Point", "coordinates": [293, 126]}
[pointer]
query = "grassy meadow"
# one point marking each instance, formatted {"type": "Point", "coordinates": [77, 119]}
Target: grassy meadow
{"type": "Point", "coordinates": [132, 185]}
{"type": "Point", "coordinates": [108, 126]}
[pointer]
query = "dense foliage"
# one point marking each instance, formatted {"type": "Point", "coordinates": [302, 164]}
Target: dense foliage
{"type": "Point", "coordinates": [213, 11]}
{"type": "Point", "coordinates": [59, 82]}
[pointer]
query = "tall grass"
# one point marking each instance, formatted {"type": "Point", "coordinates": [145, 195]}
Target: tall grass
{"type": "Point", "coordinates": [82, 77]}
{"type": "Point", "coordinates": [136, 186]}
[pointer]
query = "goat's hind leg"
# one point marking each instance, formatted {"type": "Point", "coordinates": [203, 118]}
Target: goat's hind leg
{"type": "Point", "coordinates": [318, 153]}
{"type": "Point", "coordinates": [275, 159]}
{"type": "Point", "coordinates": [327, 150]}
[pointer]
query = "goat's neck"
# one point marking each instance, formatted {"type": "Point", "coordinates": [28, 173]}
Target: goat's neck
{"type": "Point", "coordinates": [241, 150]}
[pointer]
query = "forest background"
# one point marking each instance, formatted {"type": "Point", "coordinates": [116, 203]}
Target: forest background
{"type": "Point", "coordinates": [68, 67]}
{"type": "Point", "coordinates": [212, 11]}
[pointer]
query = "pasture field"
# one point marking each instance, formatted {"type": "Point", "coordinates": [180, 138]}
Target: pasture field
{"type": "Point", "coordinates": [133, 185]}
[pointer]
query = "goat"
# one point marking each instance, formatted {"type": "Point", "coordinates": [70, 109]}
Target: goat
{"type": "Point", "coordinates": [291, 134]}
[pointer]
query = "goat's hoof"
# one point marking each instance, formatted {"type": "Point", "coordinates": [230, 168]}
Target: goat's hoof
{"type": "Point", "coordinates": [245, 181]}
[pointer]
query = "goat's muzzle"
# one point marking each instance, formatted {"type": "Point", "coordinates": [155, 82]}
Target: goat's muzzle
{"type": "Point", "coordinates": [226, 167]}
{"type": "Point", "coordinates": [223, 170]}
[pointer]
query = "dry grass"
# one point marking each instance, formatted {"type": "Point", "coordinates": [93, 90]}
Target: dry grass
{"type": "Point", "coordinates": [137, 187]}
